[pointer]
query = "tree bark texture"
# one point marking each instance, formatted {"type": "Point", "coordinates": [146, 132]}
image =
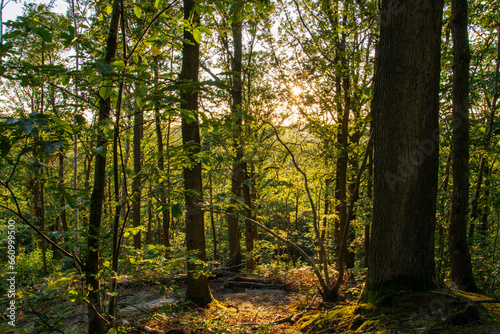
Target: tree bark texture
{"type": "Point", "coordinates": [238, 171]}
{"type": "Point", "coordinates": [406, 138]}
{"type": "Point", "coordinates": [198, 290]}
{"type": "Point", "coordinates": [460, 261]}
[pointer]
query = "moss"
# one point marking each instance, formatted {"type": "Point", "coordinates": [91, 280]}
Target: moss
{"type": "Point", "coordinates": [371, 326]}
{"type": "Point", "coordinates": [381, 294]}
{"type": "Point", "coordinates": [403, 312]}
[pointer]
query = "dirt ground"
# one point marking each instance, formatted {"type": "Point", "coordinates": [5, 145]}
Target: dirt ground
{"type": "Point", "coordinates": [236, 310]}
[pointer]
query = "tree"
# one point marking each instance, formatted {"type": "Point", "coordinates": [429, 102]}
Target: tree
{"type": "Point", "coordinates": [97, 197]}
{"type": "Point", "coordinates": [239, 165]}
{"type": "Point", "coordinates": [198, 290]}
{"type": "Point", "coordinates": [136, 184]}
{"type": "Point", "coordinates": [460, 261]}
{"type": "Point", "coordinates": [406, 138]}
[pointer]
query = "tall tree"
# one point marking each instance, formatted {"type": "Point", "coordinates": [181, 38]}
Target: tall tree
{"type": "Point", "coordinates": [198, 290]}
{"type": "Point", "coordinates": [239, 165]}
{"type": "Point", "coordinates": [97, 196]}
{"type": "Point", "coordinates": [460, 261]}
{"type": "Point", "coordinates": [406, 138]}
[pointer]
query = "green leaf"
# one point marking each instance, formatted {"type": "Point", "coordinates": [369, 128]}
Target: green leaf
{"type": "Point", "coordinates": [188, 115]}
{"type": "Point", "coordinates": [105, 90]}
{"type": "Point", "coordinates": [197, 35]}
{"type": "Point", "coordinates": [205, 30]}
{"type": "Point", "coordinates": [101, 150]}
{"type": "Point", "coordinates": [119, 64]}
{"type": "Point", "coordinates": [158, 3]}
{"type": "Point", "coordinates": [139, 102]}
{"type": "Point", "coordinates": [112, 331]}
{"type": "Point", "coordinates": [44, 34]}
{"type": "Point", "coordinates": [143, 89]}
{"type": "Point", "coordinates": [80, 119]}
{"type": "Point", "coordinates": [138, 11]}
{"type": "Point", "coordinates": [51, 147]}
{"type": "Point", "coordinates": [5, 146]}
{"type": "Point", "coordinates": [260, 6]}
{"type": "Point", "coordinates": [69, 199]}
{"type": "Point", "coordinates": [176, 211]}
{"type": "Point", "coordinates": [104, 68]}
{"type": "Point", "coordinates": [26, 125]}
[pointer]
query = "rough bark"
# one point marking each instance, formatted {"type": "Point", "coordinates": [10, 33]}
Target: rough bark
{"type": "Point", "coordinates": [460, 261]}
{"type": "Point", "coordinates": [238, 169]}
{"type": "Point", "coordinates": [406, 138]}
{"type": "Point", "coordinates": [197, 290]}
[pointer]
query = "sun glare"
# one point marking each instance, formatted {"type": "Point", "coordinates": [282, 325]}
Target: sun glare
{"type": "Point", "coordinates": [296, 90]}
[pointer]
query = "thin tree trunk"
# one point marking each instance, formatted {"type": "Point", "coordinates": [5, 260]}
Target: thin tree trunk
{"type": "Point", "coordinates": [75, 139]}
{"type": "Point", "coordinates": [489, 132]}
{"type": "Point", "coordinates": [62, 200]}
{"type": "Point", "coordinates": [161, 166]}
{"type": "Point", "coordinates": [198, 290]}
{"type": "Point", "coordinates": [239, 165]}
{"type": "Point", "coordinates": [486, 206]}
{"type": "Point", "coordinates": [460, 261]}
{"type": "Point", "coordinates": [136, 183]}
{"type": "Point", "coordinates": [369, 192]}
{"type": "Point", "coordinates": [97, 196]}
{"type": "Point", "coordinates": [212, 220]}
{"type": "Point", "coordinates": [249, 228]}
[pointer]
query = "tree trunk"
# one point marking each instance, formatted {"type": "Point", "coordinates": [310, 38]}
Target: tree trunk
{"type": "Point", "coordinates": [486, 207]}
{"type": "Point", "coordinates": [212, 219]}
{"type": "Point", "coordinates": [161, 166]}
{"type": "Point", "coordinates": [75, 111]}
{"type": "Point", "coordinates": [460, 262]}
{"type": "Point", "coordinates": [406, 139]}
{"type": "Point", "coordinates": [249, 228]}
{"type": "Point", "coordinates": [239, 165]}
{"type": "Point", "coordinates": [97, 196]}
{"type": "Point", "coordinates": [136, 183]}
{"type": "Point", "coordinates": [369, 189]}
{"type": "Point", "coordinates": [197, 290]}
{"type": "Point", "coordinates": [62, 200]}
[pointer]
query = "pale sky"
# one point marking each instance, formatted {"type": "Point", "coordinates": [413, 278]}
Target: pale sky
{"type": "Point", "coordinates": [13, 9]}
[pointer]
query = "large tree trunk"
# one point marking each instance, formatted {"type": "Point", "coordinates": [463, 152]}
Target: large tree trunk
{"type": "Point", "coordinates": [198, 290]}
{"type": "Point", "coordinates": [406, 139]}
{"type": "Point", "coordinates": [460, 262]}
{"type": "Point", "coordinates": [97, 196]}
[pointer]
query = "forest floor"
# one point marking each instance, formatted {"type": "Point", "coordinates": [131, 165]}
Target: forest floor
{"type": "Point", "coordinates": [280, 303]}
{"type": "Point", "coordinates": [247, 303]}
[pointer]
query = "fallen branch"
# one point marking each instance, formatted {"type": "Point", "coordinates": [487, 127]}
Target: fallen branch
{"type": "Point", "coordinates": [291, 319]}
{"type": "Point", "coordinates": [254, 285]}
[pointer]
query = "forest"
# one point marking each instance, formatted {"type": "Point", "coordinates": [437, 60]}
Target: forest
{"type": "Point", "coordinates": [260, 166]}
